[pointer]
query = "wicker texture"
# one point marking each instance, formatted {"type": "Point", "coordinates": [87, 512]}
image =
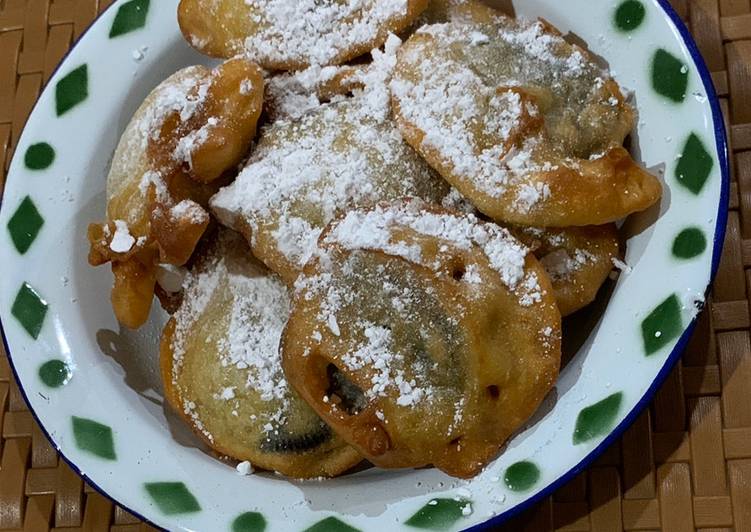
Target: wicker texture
{"type": "Point", "coordinates": [684, 465]}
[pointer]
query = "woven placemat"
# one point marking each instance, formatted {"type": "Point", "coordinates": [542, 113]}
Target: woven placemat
{"type": "Point", "coordinates": [684, 465]}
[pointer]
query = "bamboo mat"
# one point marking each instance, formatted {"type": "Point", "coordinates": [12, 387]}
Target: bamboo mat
{"type": "Point", "coordinates": [684, 465]}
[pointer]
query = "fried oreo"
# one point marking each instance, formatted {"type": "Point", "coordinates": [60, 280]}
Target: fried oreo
{"type": "Point", "coordinates": [422, 336]}
{"type": "Point", "coordinates": [189, 131]}
{"type": "Point", "coordinates": [222, 371]}
{"type": "Point", "coordinates": [284, 35]}
{"type": "Point", "coordinates": [304, 172]}
{"type": "Point", "coordinates": [524, 124]}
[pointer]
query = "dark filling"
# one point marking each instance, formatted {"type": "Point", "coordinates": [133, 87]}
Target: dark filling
{"type": "Point", "coordinates": [284, 442]}
{"type": "Point", "coordinates": [351, 398]}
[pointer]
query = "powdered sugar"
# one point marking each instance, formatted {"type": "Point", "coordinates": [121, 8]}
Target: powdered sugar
{"type": "Point", "coordinates": [291, 95]}
{"type": "Point", "coordinates": [192, 141]}
{"type": "Point", "coordinates": [459, 83]}
{"type": "Point", "coordinates": [454, 200]}
{"type": "Point", "coordinates": [189, 408]}
{"type": "Point", "coordinates": [244, 468]}
{"type": "Point", "coordinates": [246, 87]}
{"type": "Point", "coordinates": [189, 211]}
{"type": "Point", "coordinates": [472, 274]}
{"type": "Point", "coordinates": [621, 265]}
{"type": "Point", "coordinates": [227, 393]}
{"type": "Point", "coordinates": [560, 264]}
{"type": "Point", "coordinates": [377, 353]}
{"type": "Point", "coordinates": [256, 317]}
{"type": "Point", "coordinates": [185, 94]}
{"type": "Point", "coordinates": [375, 229]}
{"type": "Point", "coordinates": [445, 100]}
{"type": "Point", "coordinates": [317, 33]}
{"type": "Point", "coordinates": [336, 157]}
{"type": "Point", "coordinates": [458, 416]}
{"type": "Point", "coordinates": [122, 241]}
{"type": "Point", "coordinates": [151, 177]}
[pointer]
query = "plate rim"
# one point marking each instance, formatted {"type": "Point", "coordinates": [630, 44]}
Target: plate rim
{"type": "Point", "coordinates": [722, 148]}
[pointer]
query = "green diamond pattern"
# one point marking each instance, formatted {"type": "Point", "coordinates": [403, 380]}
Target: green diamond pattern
{"type": "Point", "coordinates": [130, 17]}
{"type": "Point", "coordinates": [172, 498]}
{"type": "Point", "coordinates": [24, 225]}
{"type": "Point", "coordinates": [72, 89]}
{"type": "Point", "coordinates": [695, 165]}
{"type": "Point", "coordinates": [249, 522]}
{"type": "Point", "coordinates": [597, 419]}
{"type": "Point", "coordinates": [30, 310]}
{"type": "Point", "coordinates": [663, 325]}
{"type": "Point", "coordinates": [331, 524]}
{"type": "Point", "coordinates": [94, 437]}
{"type": "Point", "coordinates": [438, 514]}
{"type": "Point", "coordinates": [669, 76]}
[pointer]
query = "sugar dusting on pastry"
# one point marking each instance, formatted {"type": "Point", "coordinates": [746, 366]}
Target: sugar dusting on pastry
{"type": "Point", "coordinates": [122, 241]}
{"type": "Point", "coordinates": [185, 96]}
{"type": "Point", "coordinates": [374, 229]}
{"type": "Point", "coordinates": [292, 94]}
{"type": "Point", "coordinates": [190, 142]}
{"type": "Point", "coordinates": [258, 316]}
{"type": "Point", "coordinates": [336, 156]}
{"type": "Point", "coordinates": [259, 311]}
{"type": "Point", "coordinates": [560, 264]}
{"type": "Point", "coordinates": [373, 348]}
{"type": "Point", "coordinates": [190, 211]}
{"type": "Point", "coordinates": [377, 229]}
{"type": "Point", "coordinates": [503, 108]}
{"type": "Point", "coordinates": [314, 32]}
{"type": "Point", "coordinates": [446, 99]}
{"type": "Point", "coordinates": [378, 353]}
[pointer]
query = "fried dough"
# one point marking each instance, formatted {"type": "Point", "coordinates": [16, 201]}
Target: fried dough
{"type": "Point", "coordinates": [222, 371]}
{"type": "Point", "coordinates": [284, 35]}
{"type": "Point", "coordinates": [422, 336]}
{"type": "Point", "coordinates": [528, 127]}
{"type": "Point", "coordinates": [170, 160]}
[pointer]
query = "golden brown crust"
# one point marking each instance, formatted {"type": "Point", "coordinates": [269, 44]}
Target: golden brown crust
{"type": "Point", "coordinates": [578, 260]}
{"type": "Point", "coordinates": [328, 463]}
{"type": "Point", "coordinates": [304, 172]}
{"type": "Point", "coordinates": [478, 361]}
{"type": "Point", "coordinates": [554, 157]}
{"type": "Point", "coordinates": [220, 28]}
{"type": "Point", "coordinates": [211, 390]}
{"type": "Point", "coordinates": [168, 159]}
{"type": "Point", "coordinates": [224, 123]}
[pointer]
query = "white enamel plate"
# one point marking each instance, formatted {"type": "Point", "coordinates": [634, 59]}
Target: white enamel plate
{"type": "Point", "coordinates": [95, 387]}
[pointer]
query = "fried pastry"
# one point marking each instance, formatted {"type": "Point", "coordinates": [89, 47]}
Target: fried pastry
{"type": "Point", "coordinates": [577, 259]}
{"type": "Point", "coordinates": [525, 125]}
{"type": "Point", "coordinates": [222, 371]}
{"type": "Point", "coordinates": [291, 95]}
{"type": "Point", "coordinates": [305, 172]}
{"type": "Point", "coordinates": [284, 35]}
{"type": "Point", "coordinates": [188, 132]}
{"type": "Point", "coordinates": [422, 336]}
